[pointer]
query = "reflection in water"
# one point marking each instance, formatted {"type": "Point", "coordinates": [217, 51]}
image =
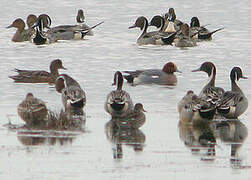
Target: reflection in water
{"type": "Point", "coordinates": [198, 136]}
{"type": "Point", "coordinates": [119, 136]}
{"type": "Point", "coordinates": [233, 132]}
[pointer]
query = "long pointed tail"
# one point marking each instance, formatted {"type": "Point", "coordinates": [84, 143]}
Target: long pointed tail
{"type": "Point", "coordinates": [208, 35]}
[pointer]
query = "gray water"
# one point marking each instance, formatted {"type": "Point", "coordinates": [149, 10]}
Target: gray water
{"type": "Point", "coordinates": [92, 62]}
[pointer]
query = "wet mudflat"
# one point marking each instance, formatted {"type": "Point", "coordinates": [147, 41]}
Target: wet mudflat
{"type": "Point", "coordinates": [161, 148]}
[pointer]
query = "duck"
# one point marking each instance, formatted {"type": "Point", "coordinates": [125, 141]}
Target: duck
{"type": "Point", "coordinates": [135, 119]}
{"type": "Point", "coordinates": [21, 34]}
{"type": "Point", "coordinates": [184, 39]}
{"type": "Point", "coordinates": [200, 32]}
{"type": "Point", "coordinates": [193, 109]}
{"type": "Point", "coordinates": [118, 102]}
{"type": "Point", "coordinates": [30, 21]}
{"type": "Point", "coordinates": [164, 76]}
{"type": "Point", "coordinates": [171, 23]}
{"type": "Point", "coordinates": [73, 96]}
{"type": "Point", "coordinates": [150, 37]}
{"type": "Point", "coordinates": [39, 76]}
{"type": "Point", "coordinates": [32, 111]}
{"type": "Point", "coordinates": [210, 91]}
{"type": "Point", "coordinates": [80, 18]}
{"type": "Point", "coordinates": [233, 103]}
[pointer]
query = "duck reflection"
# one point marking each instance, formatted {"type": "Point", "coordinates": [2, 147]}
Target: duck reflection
{"type": "Point", "coordinates": [233, 132]}
{"type": "Point", "coordinates": [198, 136]}
{"type": "Point", "coordinates": [124, 136]}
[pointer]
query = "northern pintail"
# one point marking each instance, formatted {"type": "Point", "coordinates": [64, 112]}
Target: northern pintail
{"type": "Point", "coordinates": [73, 96]}
{"type": "Point", "coordinates": [164, 76]}
{"type": "Point", "coordinates": [38, 76]}
{"type": "Point", "coordinates": [30, 21]}
{"type": "Point", "coordinates": [32, 110]}
{"type": "Point", "coordinates": [150, 37]}
{"type": "Point", "coordinates": [233, 103]}
{"type": "Point", "coordinates": [183, 39]}
{"type": "Point", "coordinates": [200, 32]}
{"type": "Point", "coordinates": [80, 26]}
{"type": "Point", "coordinates": [21, 34]}
{"type": "Point", "coordinates": [209, 91]}
{"type": "Point", "coordinates": [171, 23]}
{"type": "Point", "coordinates": [135, 119]}
{"type": "Point", "coordinates": [118, 103]}
{"type": "Point", "coordinates": [193, 108]}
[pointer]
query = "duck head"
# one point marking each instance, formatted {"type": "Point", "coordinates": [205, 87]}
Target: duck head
{"type": "Point", "coordinates": [170, 68]}
{"type": "Point", "coordinates": [185, 29]}
{"type": "Point", "coordinates": [141, 23]}
{"type": "Point", "coordinates": [158, 21]}
{"type": "Point", "coordinates": [210, 69]}
{"type": "Point", "coordinates": [18, 23]}
{"type": "Point", "coordinates": [31, 20]}
{"type": "Point", "coordinates": [138, 107]}
{"type": "Point", "coordinates": [29, 96]}
{"type": "Point", "coordinates": [195, 22]}
{"type": "Point", "coordinates": [236, 74]}
{"type": "Point", "coordinates": [171, 15]}
{"type": "Point", "coordinates": [118, 80]}
{"type": "Point", "coordinates": [80, 16]}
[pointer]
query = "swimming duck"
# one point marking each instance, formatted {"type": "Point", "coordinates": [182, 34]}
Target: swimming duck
{"type": "Point", "coordinates": [118, 103]}
{"type": "Point", "coordinates": [80, 26]}
{"type": "Point", "coordinates": [164, 76]}
{"type": "Point", "coordinates": [32, 110]}
{"type": "Point", "coordinates": [193, 108]}
{"type": "Point", "coordinates": [38, 76]}
{"type": "Point", "coordinates": [209, 91]}
{"type": "Point", "coordinates": [150, 37]}
{"type": "Point", "coordinates": [73, 96]}
{"type": "Point", "coordinates": [184, 39]}
{"type": "Point", "coordinates": [200, 32]}
{"type": "Point", "coordinates": [30, 21]}
{"type": "Point", "coordinates": [21, 34]}
{"type": "Point", "coordinates": [233, 103]}
{"type": "Point", "coordinates": [135, 119]}
{"type": "Point", "coordinates": [171, 23]}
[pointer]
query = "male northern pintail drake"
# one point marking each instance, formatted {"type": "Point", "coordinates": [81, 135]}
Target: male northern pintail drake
{"type": "Point", "coordinates": [73, 96]}
{"type": "Point", "coordinates": [21, 34]}
{"type": "Point", "coordinates": [193, 108]}
{"type": "Point", "coordinates": [164, 76]}
{"type": "Point", "coordinates": [233, 103]}
{"type": "Point", "coordinates": [200, 32]}
{"type": "Point", "coordinates": [38, 76]}
{"type": "Point", "coordinates": [171, 23]}
{"type": "Point", "coordinates": [32, 110]}
{"type": "Point", "coordinates": [209, 91]}
{"type": "Point", "coordinates": [150, 37]}
{"type": "Point", "coordinates": [183, 39]}
{"type": "Point", "coordinates": [135, 119]}
{"type": "Point", "coordinates": [118, 103]}
{"type": "Point", "coordinates": [80, 26]}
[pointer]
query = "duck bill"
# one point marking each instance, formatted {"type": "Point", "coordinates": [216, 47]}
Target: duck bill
{"type": "Point", "coordinates": [133, 26]}
{"type": "Point", "coordinates": [196, 70]}
{"type": "Point", "coordinates": [178, 71]}
{"type": "Point", "coordinates": [244, 77]}
{"type": "Point", "coordinates": [144, 110]}
{"type": "Point", "coordinates": [63, 68]}
{"type": "Point", "coordinates": [10, 26]}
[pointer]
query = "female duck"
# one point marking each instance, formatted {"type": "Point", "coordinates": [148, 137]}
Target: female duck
{"type": "Point", "coordinates": [184, 39]}
{"type": "Point", "coordinates": [233, 103]}
{"type": "Point", "coordinates": [164, 76]}
{"type": "Point", "coordinates": [73, 96]}
{"type": "Point", "coordinates": [133, 120]}
{"type": "Point", "coordinates": [38, 76]}
{"type": "Point", "coordinates": [21, 34]}
{"type": "Point", "coordinates": [32, 110]}
{"type": "Point", "coordinates": [118, 103]}
{"type": "Point", "coordinates": [209, 91]}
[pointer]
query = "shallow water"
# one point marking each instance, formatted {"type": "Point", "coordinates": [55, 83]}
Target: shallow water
{"type": "Point", "coordinates": [92, 62]}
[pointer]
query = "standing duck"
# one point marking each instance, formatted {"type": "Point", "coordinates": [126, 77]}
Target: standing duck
{"type": "Point", "coordinates": [38, 76]}
{"type": "Point", "coordinates": [73, 96]}
{"type": "Point", "coordinates": [32, 110]}
{"type": "Point", "coordinates": [199, 32]}
{"type": "Point", "coordinates": [233, 103]}
{"type": "Point", "coordinates": [21, 34]}
{"type": "Point", "coordinates": [209, 91]}
{"type": "Point", "coordinates": [164, 76]}
{"type": "Point", "coordinates": [118, 103]}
